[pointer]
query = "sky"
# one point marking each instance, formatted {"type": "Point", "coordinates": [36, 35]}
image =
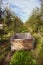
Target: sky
{"type": "Point", "coordinates": [22, 8]}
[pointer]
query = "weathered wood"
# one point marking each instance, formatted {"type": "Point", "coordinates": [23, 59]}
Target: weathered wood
{"type": "Point", "coordinates": [21, 41]}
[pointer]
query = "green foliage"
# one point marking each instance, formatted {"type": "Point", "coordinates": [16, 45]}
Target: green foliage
{"type": "Point", "coordinates": [11, 24]}
{"type": "Point", "coordinates": [4, 51]}
{"type": "Point", "coordinates": [40, 57]}
{"type": "Point", "coordinates": [1, 58]}
{"type": "Point", "coordinates": [35, 22]}
{"type": "Point", "coordinates": [35, 25]}
{"type": "Point", "coordinates": [22, 58]}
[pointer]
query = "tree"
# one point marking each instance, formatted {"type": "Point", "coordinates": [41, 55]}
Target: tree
{"type": "Point", "coordinates": [35, 21]}
{"type": "Point", "coordinates": [11, 23]}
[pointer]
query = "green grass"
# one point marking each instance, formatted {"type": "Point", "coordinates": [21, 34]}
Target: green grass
{"type": "Point", "coordinates": [22, 58]}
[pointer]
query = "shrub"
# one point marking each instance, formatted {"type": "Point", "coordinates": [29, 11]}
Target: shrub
{"type": "Point", "coordinates": [22, 58]}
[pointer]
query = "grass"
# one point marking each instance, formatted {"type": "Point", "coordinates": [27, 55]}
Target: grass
{"type": "Point", "coordinates": [39, 43]}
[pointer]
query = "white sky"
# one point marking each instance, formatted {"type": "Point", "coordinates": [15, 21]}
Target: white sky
{"type": "Point", "coordinates": [23, 8]}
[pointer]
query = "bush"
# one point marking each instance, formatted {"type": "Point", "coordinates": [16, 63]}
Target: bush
{"type": "Point", "coordinates": [22, 58]}
{"type": "Point", "coordinates": [40, 56]}
{"type": "Point", "coordinates": [1, 58]}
